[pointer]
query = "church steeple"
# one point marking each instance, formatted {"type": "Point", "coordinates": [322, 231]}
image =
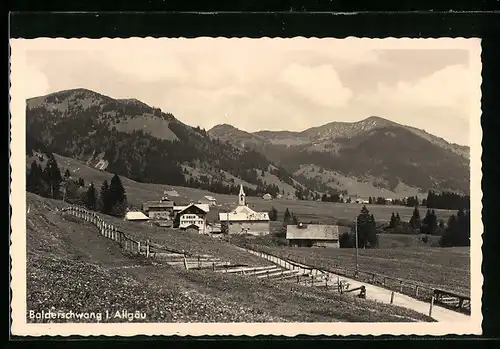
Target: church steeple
{"type": "Point", "coordinates": [241, 197]}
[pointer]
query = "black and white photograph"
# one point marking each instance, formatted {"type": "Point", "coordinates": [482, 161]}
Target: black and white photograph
{"type": "Point", "coordinates": [286, 186]}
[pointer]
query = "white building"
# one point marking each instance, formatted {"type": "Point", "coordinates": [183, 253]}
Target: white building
{"type": "Point", "coordinates": [136, 216]}
{"type": "Point", "coordinates": [267, 196]}
{"type": "Point", "coordinates": [244, 220]}
{"type": "Point", "coordinates": [191, 215]}
{"type": "Point", "coordinates": [209, 200]}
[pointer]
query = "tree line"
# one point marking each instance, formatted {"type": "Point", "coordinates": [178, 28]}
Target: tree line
{"type": "Point", "coordinates": [49, 182]}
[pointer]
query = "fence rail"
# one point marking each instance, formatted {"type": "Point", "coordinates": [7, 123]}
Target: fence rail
{"type": "Point", "coordinates": [414, 289]}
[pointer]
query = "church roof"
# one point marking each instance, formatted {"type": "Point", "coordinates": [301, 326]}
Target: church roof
{"type": "Point", "coordinates": [243, 213]}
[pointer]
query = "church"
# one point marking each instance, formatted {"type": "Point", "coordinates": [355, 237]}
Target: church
{"type": "Point", "coordinates": [244, 220]}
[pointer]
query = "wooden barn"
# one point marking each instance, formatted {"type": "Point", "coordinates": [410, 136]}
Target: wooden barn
{"type": "Point", "coordinates": [314, 235]}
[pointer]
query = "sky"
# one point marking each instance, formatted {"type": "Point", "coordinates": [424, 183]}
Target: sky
{"type": "Point", "coordinates": [272, 84]}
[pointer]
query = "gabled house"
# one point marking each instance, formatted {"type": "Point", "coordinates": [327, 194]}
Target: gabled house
{"type": "Point", "coordinates": [159, 209]}
{"type": "Point", "coordinates": [191, 215]}
{"type": "Point", "coordinates": [208, 200]}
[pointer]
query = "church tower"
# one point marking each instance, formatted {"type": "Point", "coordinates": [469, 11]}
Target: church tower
{"type": "Point", "coordinates": [241, 197]}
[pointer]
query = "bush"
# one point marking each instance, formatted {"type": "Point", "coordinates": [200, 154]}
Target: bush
{"type": "Point", "coordinates": [347, 240]}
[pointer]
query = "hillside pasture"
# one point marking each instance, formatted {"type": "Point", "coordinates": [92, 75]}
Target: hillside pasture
{"type": "Point", "coordinates": [445, 268]}
{"type": "Point", "coordinates": [316, 211]}
{"type": "Point", "coordinates": [70, 266]}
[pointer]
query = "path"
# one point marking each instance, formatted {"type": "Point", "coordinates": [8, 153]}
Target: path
{"type": "Point", "coordinates": [383, 295]}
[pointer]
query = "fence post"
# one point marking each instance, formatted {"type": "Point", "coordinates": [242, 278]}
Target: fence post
{"type": "Point", "coordinates": [185, 262]}
{"type": "Point", "coordinates": [199, 263]}
{"type": "Point", "coordinates": [213, 266]}
{"type": "Point", "coordinates": [147, 248]}
{"type": "Point", "coordinates": [392, 297]}
{"type": "Point", "coordinates": [401, 286]}
{"type": "Point", "coordinates": [138, 247]}
{"type": "Point", "coordinates": [430, 308]}
{"type": "Point", "coordinates": [416, 291]}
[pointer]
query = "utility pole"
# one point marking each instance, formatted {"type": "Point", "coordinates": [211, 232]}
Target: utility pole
{"type": "Point", "coordinates": [356, 234]}
{"type": "Point", "coordinates": [228, 232]}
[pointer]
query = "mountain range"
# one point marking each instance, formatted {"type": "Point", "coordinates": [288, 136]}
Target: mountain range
{"type": "Point", "coordinates": [372, 157]}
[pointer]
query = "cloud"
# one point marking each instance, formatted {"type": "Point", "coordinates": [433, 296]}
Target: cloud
{"type": "Point", "coordinates": [447, 88]}
{"type": "Point", "coordinates": [321, 84]}
{"type": "Point", "coordinates": [263, 83]}
{"type": "Point", "coordinates": [34, 82]}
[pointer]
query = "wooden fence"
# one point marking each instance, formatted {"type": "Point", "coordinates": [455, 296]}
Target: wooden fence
{"type": "Point", "coordinates": [413, 289]}
{"type": "Point", "coordinates": [145, 249]}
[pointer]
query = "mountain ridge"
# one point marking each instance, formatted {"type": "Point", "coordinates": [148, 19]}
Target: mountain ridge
{"type": "Point", "coordinates": [133, 139]}
{"type": "Point", "coordinates": [130, 138]}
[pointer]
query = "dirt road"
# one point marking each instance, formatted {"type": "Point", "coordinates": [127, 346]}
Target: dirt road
{"type": "Point", "coordinates": [383, 295]}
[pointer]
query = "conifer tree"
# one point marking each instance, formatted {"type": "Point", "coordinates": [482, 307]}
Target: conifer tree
{"type": "Point", "coordinates": [415, 222]}
{"type": "Point", "coordinates": [273, 214]}
{"type": "Point", "coordinates": [34, 179]}
{"type": "Point", "coordinates": [398, 219]}
{"type": "Point", "coordinates": [91, 197]}
{"type": "Point", "coordinates": [104, 199]}
{"type": "Point", "coordinates": [118, 198]}
{"type": "Point", "coordinates": [392, 223]}
{"type": "Point", "coordinates": [287, 216]}
{"type": "Point", "coordinates": [367, 234]}
{"type": "Point", "coordinates": [53, 177]}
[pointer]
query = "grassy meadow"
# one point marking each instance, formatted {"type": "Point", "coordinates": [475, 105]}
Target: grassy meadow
{"type": "Point", "coordinates": [70, 266]}
{"type": "Point", "coordinates": [322, 212]}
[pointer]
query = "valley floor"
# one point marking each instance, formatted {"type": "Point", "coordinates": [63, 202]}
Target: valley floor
{"type": "Point", "coordinates": [435, 267]}
{"type": "Point", "coordinates": [71, 267]}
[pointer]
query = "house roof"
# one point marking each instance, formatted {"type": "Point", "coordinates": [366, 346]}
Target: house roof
{"type": "Point", "coordinates": [150, 204]}
{"type": "Point", "coordinates": [135, 216]}
{"type": "Point", "coordinates": [314, 232]}
{"type": "Point", "coordinates": [194, 207]}
{"type": "Point", "coordinates": [171, 192]}
{"type": "Point", "coordinates": [243, 213]}
{"type": "Point", "coordinates": [208, 197]}
{"type": "Point", "coordinates": [204, 207]}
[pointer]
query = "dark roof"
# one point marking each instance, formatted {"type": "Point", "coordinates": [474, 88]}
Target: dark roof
{"type": "Point", "coordinates": [313, 232]}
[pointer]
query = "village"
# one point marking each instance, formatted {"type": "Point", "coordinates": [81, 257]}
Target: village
{"type": "Point", "coordinates": [242, 220]}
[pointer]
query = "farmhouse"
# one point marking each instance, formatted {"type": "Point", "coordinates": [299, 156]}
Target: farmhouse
{"type": "Point", "coordinates": [136, 216]}
{"type": "Point", "coordinates": [172, 192]}
{"type": "Point", "coordinates": [244, 220]}
{"type": "Point", "coordinates": [267, 196]}
{"type": "Point", "coordinates": [209, 200]}
{"type": "Point", "coordinates": [191, 215]}
{"type": "Point", "coordinates": [314, 235]}
{"type": "Point", "coordinates": [162, 209]}
{"type": "Point", "coordinates": [362, 201]}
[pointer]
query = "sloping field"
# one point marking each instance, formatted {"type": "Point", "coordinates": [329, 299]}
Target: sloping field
{"type": "Point", "coordinates": [70, 267]}
{"type": "Point", "coordinates": [323, 212]}
{"type": "Point", "coordinates": [446, 268]}
{"type": "Point", "coordinates": [185, 241]}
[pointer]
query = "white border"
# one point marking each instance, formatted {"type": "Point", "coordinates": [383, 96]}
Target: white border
{"type": "Point", "coordinates": [19, 48]}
